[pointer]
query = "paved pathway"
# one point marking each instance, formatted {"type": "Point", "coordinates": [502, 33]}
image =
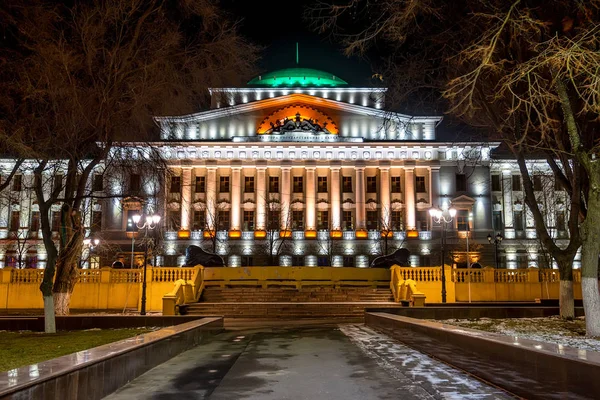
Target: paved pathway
{"type": "Point", "coordinates": [342, 362]}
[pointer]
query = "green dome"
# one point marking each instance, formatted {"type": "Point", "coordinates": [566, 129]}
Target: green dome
{"type": "Point", "coordinates": [292, 77]}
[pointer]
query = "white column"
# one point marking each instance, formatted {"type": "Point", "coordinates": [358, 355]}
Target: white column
{"type": "Point", "coordinates": [211, 197]}
{"type": "Point", "coordinates": [186, 198]}
{"type": "Point", "coordinates": [386, 205]}
{"type": "Point", "coordinates": [435, 186]}
{"type": "Point", "coordinates": [236, 197]}
{"type": "Point", "coordinates": [409, 198]}
{"type": "Point", "coordinates": [261, 198]}
{"type": "Point", "coordinates": [286, 191]}
{"type": "Point", "coordinates": [360, 198]}
{"type": "Point", "coordinates": [310, 198]}
{"type": "Point", "coordinates": [336, 220]}
{"type": "Point", "coordinates": [509, 231]}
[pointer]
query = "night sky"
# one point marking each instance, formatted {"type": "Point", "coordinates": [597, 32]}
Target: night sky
{"type": "Point", "coordinates": [278, 25]}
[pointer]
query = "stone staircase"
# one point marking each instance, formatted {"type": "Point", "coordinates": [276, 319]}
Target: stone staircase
{"type": "Point", "coordinates": [291, 303]}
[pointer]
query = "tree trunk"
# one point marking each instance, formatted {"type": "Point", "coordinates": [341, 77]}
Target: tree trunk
{"type": "Point", "coordinates": [566, 302]}
{"type": "Point", "coordinates": [49, 316]}
{"type": "Point", "coordinates": [589, 261]}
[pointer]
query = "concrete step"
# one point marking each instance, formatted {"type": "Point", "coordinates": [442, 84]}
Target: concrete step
{"type": "Point", "coordinates": [312, 294]}
{"type": "Point", "coordinates": [286, 309]}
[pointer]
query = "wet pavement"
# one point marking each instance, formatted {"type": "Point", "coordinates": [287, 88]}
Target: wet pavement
{"type": "Point", "coordinates": [347, 361]}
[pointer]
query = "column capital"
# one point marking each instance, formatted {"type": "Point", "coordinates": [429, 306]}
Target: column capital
{"type": "Point", "coordinates": [385, 164]}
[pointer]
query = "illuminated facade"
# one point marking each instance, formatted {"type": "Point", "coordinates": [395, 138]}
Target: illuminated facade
{"type": "Point", "coordinates": [299, 168]}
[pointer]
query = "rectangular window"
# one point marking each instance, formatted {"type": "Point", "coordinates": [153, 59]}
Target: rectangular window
{"type": "Point", "coordinates": [199, 221]}
{"type": "Point", "coordinates": [273, 221]}
{"type": "Point", "coordinates": [497, 221]}
{"type": "Point", "coordinates": [422, 221]}
{"type": "Point", "coordinates": [248, 221]}
{"type": "Point", "coordinates": [57, 183]}
{"type": "Point", "coordinates": [55, 221]}
{"type": "Point", "coordinates": [518, 220]}
{"type": "Point", "coordinates": [371, 184]}
{"type": "Point", "coordinates": [396, 188]}
{"type": "Point", "coordinates": [349, 261]}
{"type": "Point", "coordinates": [135, 182]}
{"type": "Point", "coordinates": [372, 220]}
{"type": "Point", "coordinates": [35, 221]}
{"type": "Point", "coordinates": [347, 220]}
{"type": "Point", "coordinates": [175, 184]}
{"type": "Point", "coordinates": [322, 184]}
{"type": "Point", "coordinates": [462, 220]}
{"type": "Point", "coordinates": [174, 220]}
{"type": "Point", "coordinates": [223, 220]}
{"type": "Point", "coordinates": [323, 261]}
{"type": "Point", "coordinates": [15, 221]}
{"type": "Point", "coordinates": [397, 221]}
{"type": "Point", "coordinates": [322, 219]}
{"type": "Point", "coordinates": [496, 183]}
{"type": "Point", "coordinates": [247, 261]}
{"type": "Point", "coordinates": [223, 184]}
{"type": "Point", "coordinates": [561, 225]}
{"type": "Point", "coordinates": [248, 184]}
{"type": "Point", "coordinates": [297, 261]}
{"type": "Point", "coordinates": [200, 186]}
{"type": "Point", "coordinates": [98, 183]}
{"type": "Point", "coordinates": [96, 221]}
{"type": "Point", "coordinates": [297, 220]}
{"type": "Point", "coordinates": [420, 184]}
{"type": "Point", "coordinates": [537, 183]}
{"type": "Point", "coordinates": [347, 184]}
{"type": "Point", "coordinates": [17, 183]}
{"type": "Point", "coordinates": [516, 183]}
{"type": "Point", "coordinates": [273, 184]}
{"type": "Point", "coordinates": [298, 184]}
{"type": "Point", "coordinates": [461, 183]}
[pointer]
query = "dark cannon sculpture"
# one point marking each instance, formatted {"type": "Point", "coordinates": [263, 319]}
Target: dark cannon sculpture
{"type": "Point", "coordinates": [194, 255]}
{"type": "Point", "coordinates": [399, 257]}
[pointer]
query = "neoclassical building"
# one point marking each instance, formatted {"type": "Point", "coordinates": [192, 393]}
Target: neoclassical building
{"type": "Point", "coordinates": [299, 168]}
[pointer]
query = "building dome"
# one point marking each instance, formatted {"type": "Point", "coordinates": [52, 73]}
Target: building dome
{"type": "Point", "coordinates": [292, 77]}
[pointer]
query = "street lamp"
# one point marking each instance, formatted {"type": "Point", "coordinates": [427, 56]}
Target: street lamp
{"type": "Point", "coordinates": [150, 223]}
{"type": "Point", "coordinates": [443, 217]}
{"type": "Point", "coordinates": [497, 240]}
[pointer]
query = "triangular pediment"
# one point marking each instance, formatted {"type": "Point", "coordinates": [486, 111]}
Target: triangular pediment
{"type": "Point", "coordinates": [463, 200]}
{"type": "Point", "coordinates": [278, 102]}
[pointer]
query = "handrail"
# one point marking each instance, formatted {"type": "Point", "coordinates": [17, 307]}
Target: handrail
{"type": "Point", "coordinates": [184, 291]}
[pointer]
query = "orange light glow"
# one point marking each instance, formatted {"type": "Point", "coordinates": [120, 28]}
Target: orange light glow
{"type": "Point", "coordinates": [235, 234]}
{"type": "Point", "coordinates": [183, 234]}
{"type": "Point", "coordinates": [284, 233]}
{"type": "Point", "coordinates": [412, 233]}
{"type": "Point", "coordinates": [208, 234]}
{"type": "Point", "coordinates": [260, 234]}
{"type": "Point", "coordinates": [336, 234]}
{"type": "Point", "coordinates": [310, 234]}
{"type": "Point", "coordinates": [387, 234]}
{"type": "Point", "coordinates": [362, 234]}
{"type": "Point", "coordinates": [305, 111]}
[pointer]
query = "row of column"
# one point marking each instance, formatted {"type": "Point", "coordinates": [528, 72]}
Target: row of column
{"type": "Point", "coordinates": [310, 198]}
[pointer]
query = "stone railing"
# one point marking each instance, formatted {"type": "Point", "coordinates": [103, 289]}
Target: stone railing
{"type": "Point", "coordinates": [421, 274]}
{"type": "Point", "coordinates": [172, 274]}
{"type": "Point", "coordinates": [405, 290]}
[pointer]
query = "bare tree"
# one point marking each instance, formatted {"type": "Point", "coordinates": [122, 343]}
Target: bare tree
{"type": "Point", "coordinates": [217, 220]}
{"type": "Point", "coordinates": [524, 71]}
{"type": "Point", "coordinates": [92, 74]}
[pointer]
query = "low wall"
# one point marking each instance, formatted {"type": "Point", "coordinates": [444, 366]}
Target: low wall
{"type": "Point", "coordinates": [498, 310]}
{"type": "Point", "coordinates": [95, 373]}
{"type": "Point", "coordinates": [527, 368]}
{"type": "Point", "coordinates": [79, 322]}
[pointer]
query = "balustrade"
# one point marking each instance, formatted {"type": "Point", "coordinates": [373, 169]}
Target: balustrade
{"type": "Point", "coordinates": [171, 274]}
{"type": "Point", "coordinates": [125, 276]}
{"type": "Point", "coordinates": [511, 275]}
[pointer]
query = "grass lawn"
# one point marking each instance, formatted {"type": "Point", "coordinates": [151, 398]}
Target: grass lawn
{"type": "Point", "coordinates": [23, 348]}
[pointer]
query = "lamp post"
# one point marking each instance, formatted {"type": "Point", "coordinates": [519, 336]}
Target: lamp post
{"type": "Point", "coordinates": [443, 217]}
{"type": "Point", "coordinates": [497, 240]}
{"type": "Point", "coordinates": [150, 223]}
